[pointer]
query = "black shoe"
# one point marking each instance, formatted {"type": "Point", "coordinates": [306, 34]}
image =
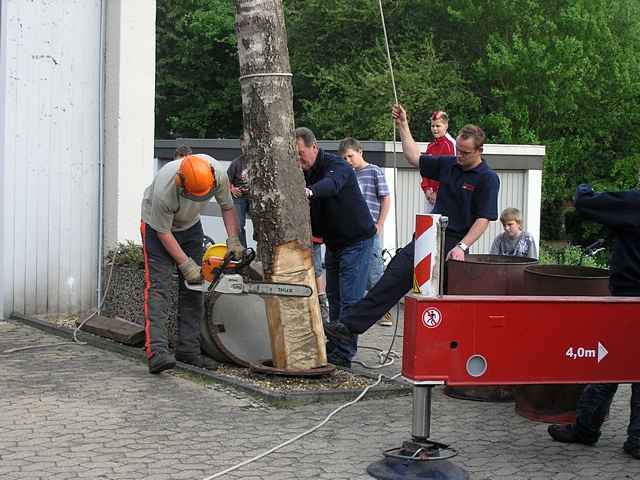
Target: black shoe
{"type": "Point", "coordinates": [338, 333]}
{"type": "Point", "coordinates": [200, 361]}
{"type": "Point", "coordinates": [338, 360]}
{"type": "Point", "coordinates": [161, 361]}
{"type": "Point", "coordinates": [632, 449]}
{"type": "Point", "coordinates": [568, 434]}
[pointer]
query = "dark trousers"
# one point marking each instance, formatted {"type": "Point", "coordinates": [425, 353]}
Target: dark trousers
{"type": "Point", "coordinates": [241, 206]}
{"type": "Point", "coordinates": [593, 407]}
{"type": "Point", "coordinates": [394, 284]}
{"type": "Point", "coordinates": [159, 269]}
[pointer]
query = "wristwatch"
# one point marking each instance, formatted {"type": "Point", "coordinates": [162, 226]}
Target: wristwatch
{"type": "Point", "coordinates": [463, 246]}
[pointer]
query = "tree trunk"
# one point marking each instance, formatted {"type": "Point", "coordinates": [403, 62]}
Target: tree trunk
{"type": "Point", "coordinates": [279, 208]}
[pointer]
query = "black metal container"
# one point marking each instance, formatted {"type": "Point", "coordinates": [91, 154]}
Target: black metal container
{"type": "Point", "coordinates": [487, 275]}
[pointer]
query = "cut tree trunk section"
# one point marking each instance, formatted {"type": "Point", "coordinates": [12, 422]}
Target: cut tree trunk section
{"type": "Point", "coordinates": [279, 208]}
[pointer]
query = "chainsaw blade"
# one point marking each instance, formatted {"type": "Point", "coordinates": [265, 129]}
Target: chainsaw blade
{"type": "Point", "coordinates": [235, 284]}
{"type": "Point", "coordinates": [278, 289]}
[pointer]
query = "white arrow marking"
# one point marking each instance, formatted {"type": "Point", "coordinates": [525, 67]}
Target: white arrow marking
{"type": "Point", "coordinates": [602, 352]}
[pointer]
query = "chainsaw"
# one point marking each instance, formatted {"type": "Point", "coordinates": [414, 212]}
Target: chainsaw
{"type": "Point", "coordinates": [219, 273]}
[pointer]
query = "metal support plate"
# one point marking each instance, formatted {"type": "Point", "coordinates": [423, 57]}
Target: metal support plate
{"type": "Point", "coordinates": [235, 329]}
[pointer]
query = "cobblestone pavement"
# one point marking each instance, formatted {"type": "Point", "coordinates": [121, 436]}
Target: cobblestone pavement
{"type": "Point", "coordinates": [77, 412]}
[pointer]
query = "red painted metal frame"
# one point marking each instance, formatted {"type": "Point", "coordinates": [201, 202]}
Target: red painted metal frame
{"type": "Point", "coordinates": [524, 340]}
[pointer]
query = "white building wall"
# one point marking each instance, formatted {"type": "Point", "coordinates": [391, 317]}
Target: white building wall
{"type": "Point", "coordinates": [49, 154]}
{"type": "Point", "coordinates": [517, 166]}
{"type": "Point", "coordinates": [521, 189]}
{"type": "Point", "coordinates": [129, 114]}
{"type": "Point", "coordinates": [513, 193]}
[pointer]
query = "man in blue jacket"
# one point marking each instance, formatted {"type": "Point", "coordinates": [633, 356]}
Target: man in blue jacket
{"type": "Point", "coordinates": [340, 216]}
{"type": "Point", "coordinates": [620, 212]}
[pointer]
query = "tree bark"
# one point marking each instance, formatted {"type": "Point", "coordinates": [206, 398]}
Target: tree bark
{"type": "Point", "coordinates": [279, 208]}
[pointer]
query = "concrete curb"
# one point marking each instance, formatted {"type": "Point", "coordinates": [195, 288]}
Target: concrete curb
{"type": "Point", "coordinates": [385, 389]}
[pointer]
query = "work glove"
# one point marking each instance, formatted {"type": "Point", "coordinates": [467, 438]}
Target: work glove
{"type": "Point", "coordinates": [191, 271]}
{"type": "Point", "coordinates": [235, 247]}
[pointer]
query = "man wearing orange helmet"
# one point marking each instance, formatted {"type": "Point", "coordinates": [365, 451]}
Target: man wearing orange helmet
{"type": "Point", "coordinates": [172, 235]}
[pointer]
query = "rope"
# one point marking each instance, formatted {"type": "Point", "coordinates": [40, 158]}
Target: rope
{"type": "Point", "coordinates": [387, 357]}
{"type": "Point", "coordinates": [273, 74]}
{"type": "Point", "coordinates": [303, 434]}
{"type": "Point", "coordinates": [386, 44]}
{"type": "Point", "coordinates": [99, 309]}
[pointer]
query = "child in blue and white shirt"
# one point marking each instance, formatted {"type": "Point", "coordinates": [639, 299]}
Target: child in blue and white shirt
{"type": "Point", "coordinates": [376, 193]}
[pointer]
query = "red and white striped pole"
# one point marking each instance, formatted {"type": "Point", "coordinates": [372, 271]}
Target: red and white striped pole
{"type": "Point", "coordinates": [426, 260]}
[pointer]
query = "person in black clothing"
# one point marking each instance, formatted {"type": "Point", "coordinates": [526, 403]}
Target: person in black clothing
{"type": "Point", "coordinates": [468, 195]}
{"type": "Point", "coordinates": [239, 186]}
{"type": "Point", "coordinates": [340, 216]}
{"type": "Point", "coordinates": [620, 211]}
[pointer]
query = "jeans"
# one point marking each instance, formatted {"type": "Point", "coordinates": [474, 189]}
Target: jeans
{"type": "Point", "coordinates": [394, 284]}
{"type": "Point", "coordinates": [376, 263]}
{"type": "Point", "coordinates": [317, 259]}
{"type": "Point", "coordinates": [347, 271]}
{"type": "Point", "coordinates": [241, 206]}
{"type": "Point", "coordinates": [593, 407]}
{"type": "Point", "coordinates": [159, 268]}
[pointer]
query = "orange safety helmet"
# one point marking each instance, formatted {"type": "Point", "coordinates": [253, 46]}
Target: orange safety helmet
{"type": "Point", "coordinates": [196, 178]}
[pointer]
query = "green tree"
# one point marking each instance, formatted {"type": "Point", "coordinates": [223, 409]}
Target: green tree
{"type": "Point", "coordinates": [563, 73]}
{"type": "Point", "coordinates": [354, 99]}
{"type": "Point", "coordinates": [197, 89]}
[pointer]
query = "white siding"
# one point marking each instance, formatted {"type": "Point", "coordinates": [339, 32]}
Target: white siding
{"type": "Point", "coordinates": [512, 194]}
{"type": "Point", "coordinates": [50, 154]}
{"type": "Point", "coordinates": [411, 201]}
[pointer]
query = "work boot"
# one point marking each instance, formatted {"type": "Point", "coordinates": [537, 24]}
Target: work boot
{"type": "Point", "coordinates": [632, 448]}
{"type": "Point", "coordinates": [338, 333]}
{"type": "Point", "coordinates": [386, 320]}
{"type": "Point", "coordinates": [569, 434]}
{"type": "Point", "coordinates": [335, 358]}
{"type": "Point", "coordinates": [161, 361]}
{"type": "Point", "coordinates": [200, 361]}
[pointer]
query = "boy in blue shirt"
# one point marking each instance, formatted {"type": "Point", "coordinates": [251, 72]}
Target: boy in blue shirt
{"type": "Point", "coordinates": [513, 241]}
{"type": "Point", "coordinates": [376, 193]}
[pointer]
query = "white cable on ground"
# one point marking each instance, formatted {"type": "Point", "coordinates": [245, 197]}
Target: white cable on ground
{"type": "Point", "coordinates": [80, 325]}
{"type": "Point", "coordinates": [33, 347]}
{"type": "Point", "coordinates": [104, 297]}
{"type": "Point", "coordinates": [303, 434]}
{"type": "Point", "coordinates": [385, 358]}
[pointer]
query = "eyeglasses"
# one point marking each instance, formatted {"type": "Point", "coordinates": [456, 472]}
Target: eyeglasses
{"type": "Point", "coordinates": [465, 153]}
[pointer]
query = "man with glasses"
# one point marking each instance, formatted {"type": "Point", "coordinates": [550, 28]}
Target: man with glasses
{"type": "Point", "coordinates": [468, 195]}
